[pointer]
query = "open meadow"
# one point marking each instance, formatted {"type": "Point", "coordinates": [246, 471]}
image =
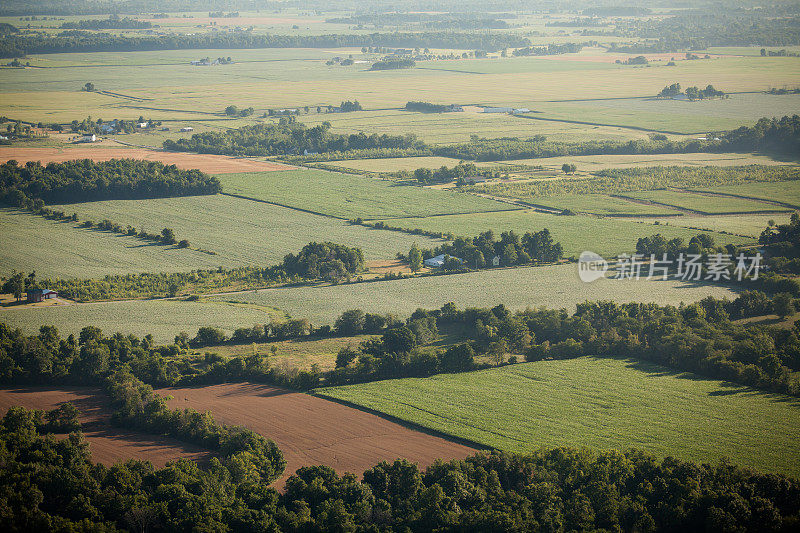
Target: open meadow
{"type": "Point", "coordinates": [606, 236]}
{"type": "Point", "coordinates": [349, 196]}
{"type": "Point", "coordinates": [242, 232]}
{"type": "Point", "coordinates": [786, 192]}
{"type": "Point", "coordinates": [517, 288]}
{"type": "Point", "coordinates": [704, 203]}
{"type": "Point", "coordinates": [600, 403]}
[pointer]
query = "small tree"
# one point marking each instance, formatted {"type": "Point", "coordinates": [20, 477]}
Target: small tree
{"type": "Point", "coordinates": [167, 236]}
{"type": "Point", "coordinates": [415, 258]}
{"type": "Point", "coordinates": [568, 168]}
{"type": "Point", "coordinates": [783, 305]}
{"type": "Point", "coordinates": [88, 87]}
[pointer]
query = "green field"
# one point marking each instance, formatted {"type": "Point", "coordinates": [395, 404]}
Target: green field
{"type": "Point", "coordinates": [396, 164]}
{"type": "Point", "coordinates": [704, 203]}
{"type": "Point", "coordinates": [349, 196]}
{"type": "Point", "coordinates": [605, 236]}
{"type": "Point", "coordinates": [517, 288]}
{"type": "Point", "coordinates": [784, 191]}
{"type": "Point", "coordinates": [244, 232]}
{"type": "Point", "coordinates": [62, 249]}
{"type": "Point", "coordinates": [162, 318]}
{"type": "Point", "coordinates": [601, 204]}
{"type": "Point", "coordinates": [749, 225]}
{"type": "Point", "coordinates": [599, 403]}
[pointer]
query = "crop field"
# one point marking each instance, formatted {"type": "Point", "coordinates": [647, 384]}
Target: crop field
{"type": "Point", "coordinates": [299, 353]}
{"type": "Point", "coordinates": [550, 286]}
{"type": "Point", "coordinates": [748, 225]}
{"type": "Point", "coordinates": [108, 443]}
{"type": "Point", "coordinates": [593, 163]}
{"type": "Point", "coordinates": [705, 203]}
{"type": "Point", "coordinates": [175, 90]}
{"type": "Point", "coordinates": [243, 232]}
{"type": "Point", "coordinates": [563, 403]}
{"type": "Point", "coordinates": [396, 164]}
{"type": "Point", "coordinates": [164, 319]}
{"type": "Point", "coordinates": [605, 236]}
{"type": "Point", "coordinates": [62, 249]}
{"type": "Point", "coordinates": [601, 204]}
{"type": "Point", "coordinates": [312, 431]}
{"type": "Point", "coordinates": [349, 196]}
{"type": "Point", "coordinates": [784, 191]}
{"type": "Point", "coordinates": [213, 164]}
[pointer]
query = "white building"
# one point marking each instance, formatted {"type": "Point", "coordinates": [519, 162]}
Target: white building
{"type": "Point", "coordinates": [89, 138]}
{"type": "Point", "coordinates": [521, 111]}
{"type": "Point", "coordinates": [438, 261]}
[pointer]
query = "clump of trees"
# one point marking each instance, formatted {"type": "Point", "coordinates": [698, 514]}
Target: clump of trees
{"type": "Point", "coordinates": [233, 111]}
{"type": "Point", "coordinates": [692, 93]}
{"type": "Point", "coordinates": [326, 260]}
{"type": "Point", "coordinates": [427, 107]}
{"type": "Point", "coordinates": [113, 22]}
{"type": "Point", "coordinates": [348, 106]}
{"type": "Point", "coordinates": [393, 64]}
{"type": "Point", "coordinates": [84, 180]}
{"type": "Point", "coordinates": [460, 172]}
{"type": "Point", "coordinates": [510, 249]}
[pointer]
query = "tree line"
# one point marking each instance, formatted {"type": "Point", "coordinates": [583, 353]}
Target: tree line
{"type": "Point", "coordinates": [84, 180]}
{"type": "Point", "coordinates": [51, 484]}
{"type": "Point", "coordinates": [113, 22]}
{"type": "Point", "coordinates": [20, 45]}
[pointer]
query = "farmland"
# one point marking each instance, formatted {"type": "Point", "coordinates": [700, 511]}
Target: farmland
{"type": "Point", "coordinates": [243, 232]}
{"type": "Point", "coordinates": [749, 225]}
{"type": "Point", "coordinates": [517, 288]}
{"type": "Point", "coordinates": [313, 431]}
{"type": "Point", "coordinates": [601, 204]}
{"type": "Point", "coordinates": [704, 203]}
{"type": "Point", "coordinates": [563, 403]}
{"type": "Point", "coordinates": [164, 319]}
{"type": "Point", "coordinates": [108, 444]}
{"type": "Point", "coordinates": [348, 196]}
{"type": "Point", "coordinates": [575, 233]}
{"type": "Point", "coordinates": [786, 192]}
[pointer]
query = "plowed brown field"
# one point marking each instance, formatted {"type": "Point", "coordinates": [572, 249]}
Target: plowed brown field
{"type": "Point", "coordinates": [108, 444]}
{"type": "Point", "coordinates": [213, 164]}
{"type": "Point", "coordinates": [312, 431]}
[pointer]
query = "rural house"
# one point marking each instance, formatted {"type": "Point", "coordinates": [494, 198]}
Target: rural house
{"type": "Point", "coordinates": [40, 295]}
{"type": "Point", "coordinates": [438, 261]}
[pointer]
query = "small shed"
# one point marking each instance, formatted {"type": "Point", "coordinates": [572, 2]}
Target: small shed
{"type": "Point", "coordinates": [40, 295]}
{"type": "Point", "coordinates": [438, 261]}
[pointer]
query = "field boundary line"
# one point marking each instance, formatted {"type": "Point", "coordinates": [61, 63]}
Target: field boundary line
{"type": "Point", "coordinates": [635, 128]}
{"type": "Point", "coordinates": [281, 205]}
{"type": "Point", "coordinates": [405, 423]}
{"type": "Point", "coordinates": [742, 196]}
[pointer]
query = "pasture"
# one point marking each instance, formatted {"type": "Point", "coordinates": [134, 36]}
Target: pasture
{"type": "Point", "coordinates": [704, 203]}
{"type": "Point", "coordinates": [605, 236]}
{"type": "Point", "coordinates": [786, 191]}
{"type": "Point", "coordinates": [601, 204]}
{"type": "Point", "coordinates": [549, 286]}
{"type": "Point", "coordinates": [164, 319]}
{"type": "Point", "coordinates": [243, 232]}
{"type": "Point", "coordinates": [350, 196]}
{"type": "Point", "coordinates": [748, 225]}
{"type": "Point", "coordinates": [598, 403]}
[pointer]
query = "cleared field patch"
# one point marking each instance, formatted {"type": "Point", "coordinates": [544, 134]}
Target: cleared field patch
{"type": "Point", "coordinates": [563, 403]}
{"type": "Point", "coordinates": [784, 191]}
{"type": "Point", "coordinates": [62, 249]}
{"type": "Point", "coordinates": [601, 204]}
{"type": "Point", "coordinates": [164, 319]}
{"type": "Point", "coordinates": [593, 163]}
{"type": "Point", "coordinates": [295, 353]}
{"type": "Point", "coordinates": [704, 203]}
{"type": "Point", "coordinates": [108, 444]}
{"type": "Point", "coordinates": [551, 286]}
{"type": "Point", "coordinates": [749, 225]}
{"type": "Point", "coordinates": [312, 431]}
{"type": "Point", "coordinates": [605, 236]}
{"type": "Point", "coordinates": [212, 164]}
{"type": "Point", "coordinates": [348, 196]}
{"type": "Point", "coordinates": [243, 232]}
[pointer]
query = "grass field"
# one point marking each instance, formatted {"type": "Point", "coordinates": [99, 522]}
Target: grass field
{"type": "Point", "coordinates": [349, 196]}
{"type": "Point", "coordinates": [162, 318]}
{"type": "Point", "coordinates": [244, 232]}
{"type": "Point", "coordinates": [517, 288]}
{"type": "Point", "coordinates": [749, 225]}
{"type": "Point", "coordinates": [601, 204]}
{"type": "Point", "coordinates": [599, 403]}
{"type": "Point", "coordinates": [704, 203]}
{"type": "Point", "coordinates": [295, 353]}
{"type": "Point", "coordinates": [784, 191]}
{"type": "Point", "coordinates": [605, 236]}
{"type": "Point", "coordinates": [593, 163]}
{"type": "Point", "coordinates": [397, 164]}
{"type": "Point", "coordinates": [61, 249]}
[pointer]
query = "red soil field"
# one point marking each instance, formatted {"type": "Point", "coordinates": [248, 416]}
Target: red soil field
{"type": "Point", "coordinates": [313, 431]}
{"type": "Point", "coordinates": [108, 444]}
{"type": "Point", "coordinates": [212, 164]}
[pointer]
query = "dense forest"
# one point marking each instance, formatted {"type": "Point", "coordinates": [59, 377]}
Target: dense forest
{"type": "Point", "coordinates": [58, 488]}
{"type": "Point", "coordinates": [84, 180]}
